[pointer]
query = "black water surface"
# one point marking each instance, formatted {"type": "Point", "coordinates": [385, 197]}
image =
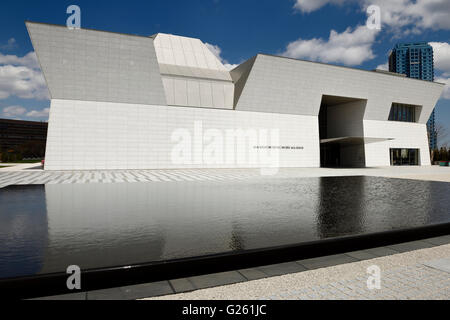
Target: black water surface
{"type": "Point", "coordinates": [44, 229]}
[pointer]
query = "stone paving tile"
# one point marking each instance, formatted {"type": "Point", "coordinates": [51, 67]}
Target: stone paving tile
{"type": "Point", "coordinates": [106, 294]}
{"type": "Point", "coordinates": [410, 246]}
{"type": "Point", "coordinates": [382, 251]}
{"type": "Point", "coordinates": [216, 279]}
{"type": "Point", "coordinates": [147, 290]}
{"type": "Point", "coordinates": [438, 241]}
{"type": "Point", "coordinates": [282, 268]}
{"type": "Point", "coordinates": [66, 297]}
{"type": "Point", "coordinates": [361, 255]}
{"type": "Point", "coordinates": [327, 261]}
{"type": "Point", "coordinates": [252, 273]}
{"type": "Point", "coordinates": [182, 285]}
{"type": "Point", "coordinates": [440, 264]}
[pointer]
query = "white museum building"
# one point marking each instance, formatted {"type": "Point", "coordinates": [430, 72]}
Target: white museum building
{"type": "Point", "coordinates": [164, 101]}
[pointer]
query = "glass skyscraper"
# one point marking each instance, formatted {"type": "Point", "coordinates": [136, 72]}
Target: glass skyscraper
{"type": "Point", "coordinates": [415, 60]}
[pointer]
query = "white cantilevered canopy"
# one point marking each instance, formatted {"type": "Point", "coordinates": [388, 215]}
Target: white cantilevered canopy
{"type": "Point", "coordinates": [354, 140]}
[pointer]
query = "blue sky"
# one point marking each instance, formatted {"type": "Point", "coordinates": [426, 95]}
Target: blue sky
{"type": "Point", "coordinates": [236, 30]}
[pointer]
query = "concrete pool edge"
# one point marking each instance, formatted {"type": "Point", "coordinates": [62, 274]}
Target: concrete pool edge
{"type": "Point", "coordinates": [104, 278]}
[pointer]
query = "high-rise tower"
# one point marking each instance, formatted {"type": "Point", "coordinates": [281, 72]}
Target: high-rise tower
{"type": "Point", "coordinates": [415, 60]}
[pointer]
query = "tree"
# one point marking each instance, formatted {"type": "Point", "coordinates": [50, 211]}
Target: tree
{"type": "Point", "coordinates": [441, 134]}
{"type": "Point", "coordinates": [435, 155]}
{"type": "Point", "coordinates": [443, 154]}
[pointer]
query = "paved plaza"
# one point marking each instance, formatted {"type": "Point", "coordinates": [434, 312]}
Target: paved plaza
{"type": "Point", "coordinates": [33, 174]}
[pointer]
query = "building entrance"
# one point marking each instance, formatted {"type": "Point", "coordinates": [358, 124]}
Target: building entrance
{"type": "Point", "coordinates": [341, 132]}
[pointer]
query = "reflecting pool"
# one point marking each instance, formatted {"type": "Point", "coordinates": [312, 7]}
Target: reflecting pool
{"type": "Point", "coordinates": [45, 228]}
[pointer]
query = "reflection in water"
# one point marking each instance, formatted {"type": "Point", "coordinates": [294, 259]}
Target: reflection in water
{"type": "Point", "coordinates": [236, 239]}
{"type": "Point", "coordinates": [341, 209]}
{"type": "Point", "coordinates": [104, 225]}
{"type": "Point", "coordinates": [437, 199]}
{"type": "Point", "coordinates": [23, 230]}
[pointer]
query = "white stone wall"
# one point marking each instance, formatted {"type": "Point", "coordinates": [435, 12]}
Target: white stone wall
{"type": "Point", "coordinates": [405, 135]}
{"type": "Point", "coordinates": [192, 92]}
{"type": "Point", "coordinates": [99, 135]}
{"type": "Point", "coordinates": [283, 85]}
{"type": "Point", "coordinates": [96, 65]}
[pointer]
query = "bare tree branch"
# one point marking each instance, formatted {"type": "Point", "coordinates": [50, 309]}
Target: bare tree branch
{"type": "Point", "coordinates": [441, 134]}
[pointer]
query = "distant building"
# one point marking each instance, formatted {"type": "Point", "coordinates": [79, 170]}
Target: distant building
{"type": "Point", "coordinates": [415, 60]}
{"type": "Point", "coordinates": [25, 137]}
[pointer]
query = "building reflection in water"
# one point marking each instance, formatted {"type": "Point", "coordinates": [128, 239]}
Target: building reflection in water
{"type": "Point", "coordinates": [364, 204]}
{"type": "Point", "coordinates": [46, 229]}
{"type": "Point", "coordinates": [94, 225]}
{"type": "Point", "coordinates": [341, 208]}
{"type": "Point", "coordinates": [98, 225]}
{"type": "Point", "coordinates": [23, 230]}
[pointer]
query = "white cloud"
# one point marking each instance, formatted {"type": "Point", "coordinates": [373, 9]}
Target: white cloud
{"type": "Point", "coordinates": [30, 60]}
{"type": "Point", "coordinates": [432, 14]}
{"type": "Point", "coordinates": [39, 113]}
{"type": "Point", "coordinates": [22, 82]}
{"type": "Point", "coordinates": [21, 77]}
{"type": "Point", "coordinates": [230, 66]}
{"type": "Point", "coordinates": [351, 47]}
{"type": "Point", "coordinates": [13, 111]}
{"type": "Point", "coordinates": [384, 66]}
{"type": "Point", "coordinates": [19, 112]}
{"type": "Point", "coordinates": [313, 5]}
{"type": "Point", "coordinates": [446, 93]}
{"type": "Point", "coordinates": [410, 15]}
{"type": "Point", "coordinates": [441, 52]}
{"type": "Point", "coordinates": [215, 49]}
{"type": "Point", "coordinates": [11, 44]}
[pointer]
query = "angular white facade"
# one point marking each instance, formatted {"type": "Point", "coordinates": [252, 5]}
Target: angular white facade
{"type": "Point", "coordinates": [130, 102]}
{"type": "Point", "coordinates": [191, 74]}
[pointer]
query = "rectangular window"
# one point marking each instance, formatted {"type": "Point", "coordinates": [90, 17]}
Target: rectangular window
{"type": "Point", "coordinates": [402, 112]}
{"type": "Point", "coordinates": [404, 157]}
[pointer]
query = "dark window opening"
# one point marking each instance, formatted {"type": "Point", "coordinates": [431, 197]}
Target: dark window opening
{"type": "Point", "coordinates": [403, 112]}
{"type": "Point", "coordinates": [404, 157]}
